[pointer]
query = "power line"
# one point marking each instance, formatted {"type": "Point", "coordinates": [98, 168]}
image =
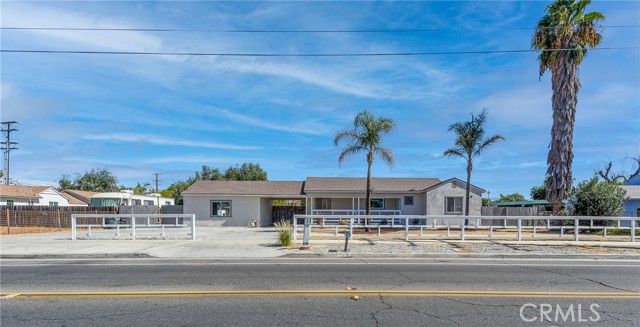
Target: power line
{"type": "Point", "coordinates": [8, 145]}
{"type": "Point", "coordinates": [222, 54]}
{"type": "Point", "coordinates": [419, 30]}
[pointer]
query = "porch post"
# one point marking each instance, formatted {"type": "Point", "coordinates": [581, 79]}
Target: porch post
{"type": "Point", "coordinates": [353, 204]}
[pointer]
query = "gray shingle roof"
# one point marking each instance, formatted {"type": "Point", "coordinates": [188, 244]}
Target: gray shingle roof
{"type": "Point", "coordinates": [323, 184]}
{"type": "Point", "coordinates": [246, 188]}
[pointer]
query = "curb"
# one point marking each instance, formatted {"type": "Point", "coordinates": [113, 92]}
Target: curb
{"type": "Point", "coordinates": [464, 256]}
{"type": "Point", "coordinates": [77, 256]}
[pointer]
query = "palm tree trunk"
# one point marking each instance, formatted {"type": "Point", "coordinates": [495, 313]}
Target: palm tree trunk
{"type": "Point", "coordinates": [565, 85]}
{"type": "Point", "coordinates": [467, 190]}
{"type": "Point", "coordinates": [368, 205]}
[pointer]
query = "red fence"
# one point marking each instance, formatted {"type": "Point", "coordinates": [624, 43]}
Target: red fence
{"type": "Point", "coordinates": [45, 216]}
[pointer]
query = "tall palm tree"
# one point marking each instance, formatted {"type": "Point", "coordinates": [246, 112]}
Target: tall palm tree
{"type": "Point", "coordinates": [563, 36]}
{"type": "Point", "coordinates": [470, 143]}
{"type": "Point", "coordinates": [366, 137]}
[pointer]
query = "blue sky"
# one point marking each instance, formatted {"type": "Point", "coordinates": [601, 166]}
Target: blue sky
{"type": "Point", "coordinates": [138, 115]}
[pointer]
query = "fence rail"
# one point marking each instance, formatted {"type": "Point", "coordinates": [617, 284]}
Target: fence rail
{"type": "Point", "coordinates": [465, 223]}
{"type": "Point", "coordinates": [128, 225]}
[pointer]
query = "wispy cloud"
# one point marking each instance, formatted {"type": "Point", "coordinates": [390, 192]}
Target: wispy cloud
{"type": "Point", "coordinates": [310, 127]}
{"type": "Point", "coordinates": [146, 138]}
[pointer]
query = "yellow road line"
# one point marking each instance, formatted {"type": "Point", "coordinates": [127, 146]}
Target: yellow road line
{"type": "Point", "coordinates": [326, 293]}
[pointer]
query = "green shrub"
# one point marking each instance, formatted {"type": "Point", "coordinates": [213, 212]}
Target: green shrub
{"type": "Point", "coordinates": [618, 232]}
{"type": "Point", "coordinates": [284, 229]}
{"type": "Point", "coordinates": [343, 222]}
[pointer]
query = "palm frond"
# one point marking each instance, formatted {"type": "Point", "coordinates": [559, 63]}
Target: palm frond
{"type": "Point", "coordinates": [452, 152]}
{"type": "Point", "coordinates": [349, 150]}
{"type": "Point", "coordinates": [386, 155]}
{"type": "Point", "coordinates": [487, 142]}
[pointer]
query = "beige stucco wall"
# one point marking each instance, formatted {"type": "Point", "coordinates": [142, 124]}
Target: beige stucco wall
{"type": "Point", "coordinates": [436, 199]}
{"type": "Point", "coordinates": [266, 205]}
{"type": "Point", "coordinates": [243, 210]}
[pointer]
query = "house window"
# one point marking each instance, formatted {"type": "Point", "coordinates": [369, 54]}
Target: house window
{"type": "Point", "coordinates": [453, 205]}
{"type": "Point", "coordinates": [326, 204]}
{"type": "Point", "coordinates": [53, 204]}
{"type": "Point", "coordinates": [148, 202]}
{"type": "Point", "coordinates": [221, 208]}
{"type": "Point", "coordinates": [167, 203]}
{"type": "Point", "coordinates": [377, 204]}
{"type": "Point", "coordinates": [408, 200]}
{"type": "Point", "coordinates": [10, 203]}
{"type": "Point", "coordinates": [136, 202]}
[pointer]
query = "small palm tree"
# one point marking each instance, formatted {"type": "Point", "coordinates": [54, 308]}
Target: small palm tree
{"type": "Point", "coordinates": [470, 143]}
{"type": "Point", "coordinates": [562, 36]}
{"type": "Point", "coordinates": [366, 137]}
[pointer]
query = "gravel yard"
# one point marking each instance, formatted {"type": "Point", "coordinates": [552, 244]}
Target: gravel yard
{"type": "Point", "coordinates": [466, 248]}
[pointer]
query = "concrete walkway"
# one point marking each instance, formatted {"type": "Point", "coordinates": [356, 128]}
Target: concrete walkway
{"type": "Point", "coordinates": [212, 242]}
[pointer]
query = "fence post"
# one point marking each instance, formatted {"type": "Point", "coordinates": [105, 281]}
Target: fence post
{"type": "Point", "coordinates": [133, 227]}
{"type": "Point", "coordinates": [576, 230]}
{"type": "Point", "coordinates": [519, 229]}
{"type": "Point", "coordinates": [59, 225]}
{"type": "Point", "coordinates": [193, 226]}
{"type": "Point", "coordinates": [462, 230]}
{"type": "Point", "coordinates": [73, 227]}
{"type": "Point", "coordinates": [351, 226]}
{"type": "Point", "coordinates": [8, 222]}
{"type": "Point", "coordinates": [633, 231]}
{"type": "Point", "coordinates": [406, 229]}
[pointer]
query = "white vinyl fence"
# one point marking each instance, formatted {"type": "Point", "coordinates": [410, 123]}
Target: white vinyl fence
{"type": "Point", "coordinates": [463, 224]}
{"type": "Point", "coordinates": [133, 225]}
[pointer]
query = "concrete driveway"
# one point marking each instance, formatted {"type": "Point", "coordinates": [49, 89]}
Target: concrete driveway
{"type": "Point", "coordinates": [212, 242]}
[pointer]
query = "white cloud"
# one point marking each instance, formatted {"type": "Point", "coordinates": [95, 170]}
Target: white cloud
{"type": "Point", "coordinates": [124, 137]}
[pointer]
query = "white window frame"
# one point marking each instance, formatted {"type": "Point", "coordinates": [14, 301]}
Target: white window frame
{"type": "Point", "coordinates": [220, 201]}
{"type": "Point", "coordinates": [446, 206]}
{"type": "Point", "coordinates": [53, 203]}
{"type": "Point", "coordinates": [325, 203]}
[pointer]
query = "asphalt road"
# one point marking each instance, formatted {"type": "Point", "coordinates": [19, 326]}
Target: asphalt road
{"type": "Point", "coordinates": [393, 292]}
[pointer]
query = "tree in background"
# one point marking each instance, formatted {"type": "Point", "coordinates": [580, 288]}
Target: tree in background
{"type": "Point", "coordinates": [96, 180]}
{"type": "Point", "coordinates": [515, 197]}
{"type": "Point", "coordinates": [141, 189]}
{"type": "Point", "coordinates": [620, 177]}
{"type": "Point", "coordinates": [538, 192]}
{"type": "Point", "coordinates": [366, 136]}
{"type": "Point", "coordinates": [563, 36]}
{"type": "Point", "coordinates": [470, 143]}
{"type": "Point", "coordinates": [246, 172]}
{"type": "Point", "coordinates": [595, 198]}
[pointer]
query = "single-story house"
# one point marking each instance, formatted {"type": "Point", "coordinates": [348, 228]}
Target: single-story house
{"type": "Point", "coordinates": [13, 195]}
{"type": "Point", "coordinates": [236, 203]}
{"type": "Point", "coordinates": [632, 204]}
{"type": "Point", "coordinates": [78, 198]}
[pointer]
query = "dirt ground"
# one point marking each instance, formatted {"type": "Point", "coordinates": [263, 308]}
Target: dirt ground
{"type": "Point", "coordinates": [29, 230]}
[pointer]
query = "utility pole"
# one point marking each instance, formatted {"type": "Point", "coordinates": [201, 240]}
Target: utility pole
{"type": "Point", "coordinates": [157, 181]}
{"type": "Point", "coordinates": [8, 145]}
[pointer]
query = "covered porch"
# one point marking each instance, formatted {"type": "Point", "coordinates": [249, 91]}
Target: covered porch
{"type": "Point", "coordinates": [380, 205]}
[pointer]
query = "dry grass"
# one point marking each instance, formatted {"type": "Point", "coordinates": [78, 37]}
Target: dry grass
{"type": "Point", "coordinates": [30, 230]}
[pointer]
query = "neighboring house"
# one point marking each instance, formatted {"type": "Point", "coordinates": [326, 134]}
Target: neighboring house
{"type": "Point", "coordinates": [236, 203]}
{"type": "Point", "coordinates": [78, 198]}
{"type": "Point", "coordinates": [31, 195]}
{"type": "Point", "coordinates": [632, 204]}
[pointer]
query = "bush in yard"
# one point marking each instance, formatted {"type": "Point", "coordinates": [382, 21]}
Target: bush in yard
{"type": "Point", "coordinates": [284, 229]}
{"type": "Point", "coordinates": [594, 198]}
